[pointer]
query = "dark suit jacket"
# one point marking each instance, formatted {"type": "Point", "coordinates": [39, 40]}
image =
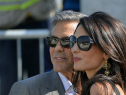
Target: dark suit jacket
{"type": "Point", "coordinates": [42, 84]}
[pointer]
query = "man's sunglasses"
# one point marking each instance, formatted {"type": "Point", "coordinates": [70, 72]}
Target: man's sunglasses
{"type": "Point", "coordinates": [83, 42]}
{"type": "Point", "coordinates": [52, 41]}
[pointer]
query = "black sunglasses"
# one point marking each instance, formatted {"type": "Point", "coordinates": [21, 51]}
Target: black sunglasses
{"type": "Point", "coordinates": [52, 41]}
{"type": "Point", "coordinates": [83, 42]}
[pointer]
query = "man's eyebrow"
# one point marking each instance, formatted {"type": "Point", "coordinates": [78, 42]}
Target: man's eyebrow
{"type": "Point", "coordinates": [62, 37]}
{"type": "Point", "coordinates": [53, 36]}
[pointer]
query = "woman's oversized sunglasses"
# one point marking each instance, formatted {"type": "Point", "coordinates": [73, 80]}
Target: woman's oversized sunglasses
{"type": "Point", "coordinates": [83, 42]}
{"type": "Point", "coordinates": [52, 41]}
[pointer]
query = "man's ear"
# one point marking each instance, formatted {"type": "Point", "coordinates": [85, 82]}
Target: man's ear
{"type": "Point", "coordinates": [106, 57]}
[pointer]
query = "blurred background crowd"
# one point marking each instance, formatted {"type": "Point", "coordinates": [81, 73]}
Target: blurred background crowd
{"type": "Point", "coordinates": [37, 14]}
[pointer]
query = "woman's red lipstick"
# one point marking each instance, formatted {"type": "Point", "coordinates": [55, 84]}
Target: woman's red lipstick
{"type": "Point", "coordinates": [76, 59]}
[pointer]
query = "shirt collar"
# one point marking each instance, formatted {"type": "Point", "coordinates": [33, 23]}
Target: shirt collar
{"type": "Point", "coordinates": [65, 81]}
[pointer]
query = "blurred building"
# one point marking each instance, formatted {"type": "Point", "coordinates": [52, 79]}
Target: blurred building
{"type": "Point", "coordinates": [116, 8]}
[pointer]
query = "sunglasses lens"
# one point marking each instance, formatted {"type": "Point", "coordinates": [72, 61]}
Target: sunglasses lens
{"type": "Point", "coordinates": [84, 43]}
{"type": "Point", "coordinates": [65, 42]}
{"type": "Point", "coordinates": [52, 41]}
{"type": "Point", "coordinates": [72, 41]}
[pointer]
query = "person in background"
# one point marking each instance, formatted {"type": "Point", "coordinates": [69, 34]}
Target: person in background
{"type": "Point", "coordinates": [99, 52]}
{"type": "Point", "coordinates": [28, 14]}
{"type": "Point", "coordinates": [58, 80]}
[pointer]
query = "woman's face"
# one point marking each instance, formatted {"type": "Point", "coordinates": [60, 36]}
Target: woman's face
{"type": "Point", "coordinates": [90, 61]}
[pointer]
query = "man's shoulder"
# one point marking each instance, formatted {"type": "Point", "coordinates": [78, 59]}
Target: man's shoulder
{"type": "Point", "coordinates": [42, 83]}
{"type": "Point", "coordinates": [39, 78]}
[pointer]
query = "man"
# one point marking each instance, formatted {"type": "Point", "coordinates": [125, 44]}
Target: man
{"type": "Point", "coordinates": [53, 83]}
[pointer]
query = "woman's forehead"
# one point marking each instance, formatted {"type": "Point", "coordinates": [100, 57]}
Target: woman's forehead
{"type": "Point", "coordinates": [80, 31]}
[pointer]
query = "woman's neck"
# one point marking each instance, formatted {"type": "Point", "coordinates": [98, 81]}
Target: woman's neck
{"type": "Point", "coordinates": [90, 74]}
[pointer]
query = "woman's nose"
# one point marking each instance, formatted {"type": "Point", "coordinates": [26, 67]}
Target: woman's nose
{"type": "Point", "coordinates": [75, 48]}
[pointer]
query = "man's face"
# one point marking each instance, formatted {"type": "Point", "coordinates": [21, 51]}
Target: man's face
{"type": "Point", "coordinates": [62, 58]}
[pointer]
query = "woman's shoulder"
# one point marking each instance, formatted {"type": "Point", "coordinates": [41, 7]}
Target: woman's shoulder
{"type": "Point", "coordinates": [99, 89]}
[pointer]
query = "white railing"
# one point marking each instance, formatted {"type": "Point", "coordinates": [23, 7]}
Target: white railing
{"type": "Point", "coordinates": [19, 34]}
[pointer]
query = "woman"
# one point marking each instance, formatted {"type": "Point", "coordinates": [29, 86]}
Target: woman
{"type": "Point", "coordinates": [99, 51]}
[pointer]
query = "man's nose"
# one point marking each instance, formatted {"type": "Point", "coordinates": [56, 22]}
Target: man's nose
{"type": "Point", "coordinates": [59, 47]}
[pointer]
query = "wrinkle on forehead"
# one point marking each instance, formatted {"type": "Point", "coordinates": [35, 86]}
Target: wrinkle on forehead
{"type": "Point", "coordinates": [72, 25]}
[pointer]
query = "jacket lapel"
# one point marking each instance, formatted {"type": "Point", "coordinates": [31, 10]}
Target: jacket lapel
{"type": "Point", "coordinates": [54, 83]}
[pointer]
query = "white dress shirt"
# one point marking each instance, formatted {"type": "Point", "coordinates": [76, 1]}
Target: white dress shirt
{"type": "Point", "coordinates": [67, 84]}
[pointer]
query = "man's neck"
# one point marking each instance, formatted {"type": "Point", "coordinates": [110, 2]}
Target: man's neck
{"type": "Point", "coordinates": [68, 75]}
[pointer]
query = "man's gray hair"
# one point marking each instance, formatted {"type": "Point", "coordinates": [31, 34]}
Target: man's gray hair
{"type": "Point", "coordinates": [68, 15]}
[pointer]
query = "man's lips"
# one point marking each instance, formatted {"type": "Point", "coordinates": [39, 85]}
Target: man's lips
{"type": "Point", "coordinates": [59, 58]}
{"type": "Point", "coordinates": [76, 59]}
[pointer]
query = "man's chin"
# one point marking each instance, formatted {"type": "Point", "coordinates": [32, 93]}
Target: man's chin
{"type": "Point", "coordinates": [62, 70]}
{"type": "Point", "coordinates": [58, 70]}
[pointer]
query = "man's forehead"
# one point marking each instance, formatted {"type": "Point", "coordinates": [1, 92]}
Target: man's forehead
{"type": "Point", "coordinates": [64, 29]}
{"type": "Point", "coordinates": [60, 37]}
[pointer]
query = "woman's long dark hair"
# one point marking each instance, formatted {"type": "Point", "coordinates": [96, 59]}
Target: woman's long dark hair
{"type": "Point", "coordinates": [109, 35]}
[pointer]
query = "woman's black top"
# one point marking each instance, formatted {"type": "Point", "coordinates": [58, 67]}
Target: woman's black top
{"type": "Point", "coordinates": [101, 71]}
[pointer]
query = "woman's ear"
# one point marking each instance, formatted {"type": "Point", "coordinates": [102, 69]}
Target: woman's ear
{"type": "Point", "coordinates": [106, 57]}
